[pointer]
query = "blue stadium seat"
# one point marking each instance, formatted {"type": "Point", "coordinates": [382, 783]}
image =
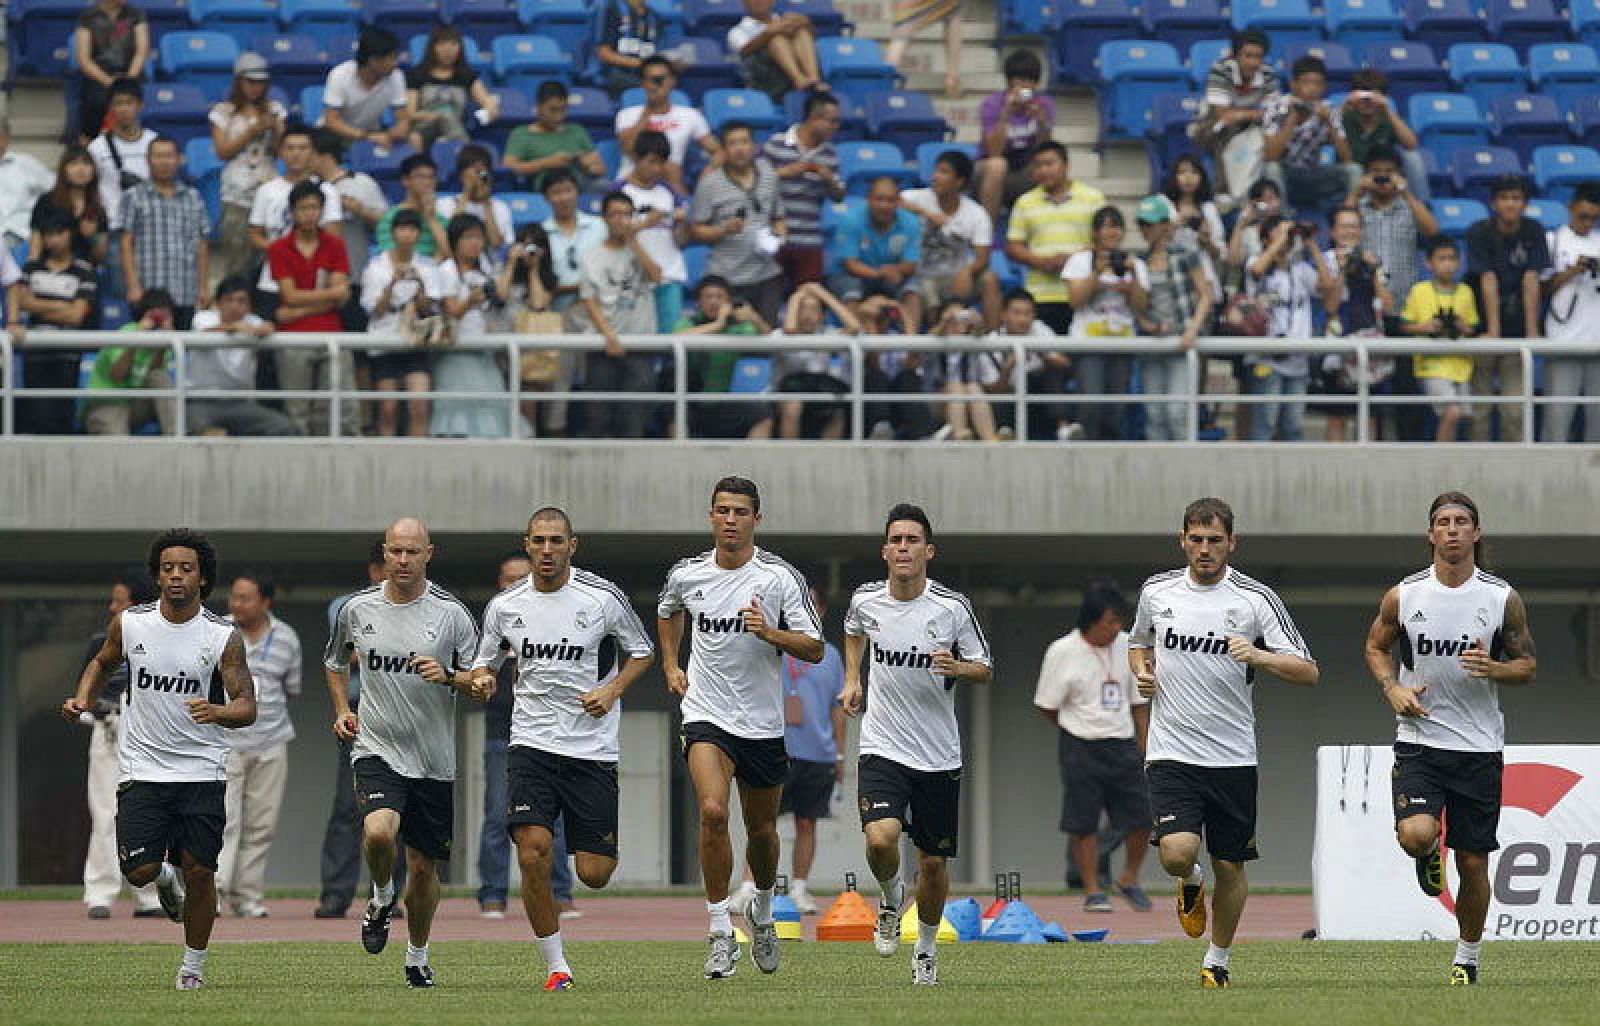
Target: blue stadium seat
{"type": "Point", "coordinates": [1486, 70]}
{"type": "Point", "coordinates": [1440, 179]}
{"type": "Point", "coordinates": [405, 18]}
{"type": "Point", "coordinates": [610, 155]}
{"type": "Point", "coordinates": [1203, 55]}
{"type": "Point", "coordinates": [311, 105]}
{"type": "Point", "coordinates": [721, 106]}
{"type": "Point", "coordinates": [1455, 216]}
{"type": "Point", "coordinates": [1334, 56]}
{"type": "Point", "coordinates": [1081, 26]}
{"type": "Point", "coordinates": [1443, 23]}
{"type": "Point", "coordinates": [1548, 213]}
{"type": "Point", "coordinates": [1586, 21]}
{"type": "Point", "coordinates": [592, 109]}
{"type": "Point", "coordinates": [711, 68]}
{"type": "Point", "coordinates": [241, 19]}
{"type": "Point", "coordinates": [1585, 120]}
{"type": "Point", "coordinates": [1185, 22]}
{"type": "Point", "coordinates": [297, 61]}
{"type": "Point", "coordinates": [1556, 169]}
{"type": "Point", "coordinates": [516, 108]}
{"type": "Point", "coordinates": [694, 264]}
{"type": "Point", "coordinates": [855, 66]}
{"type": "Point", "coordinates": [565, 21]}
{"type": "Point", "coordinates": [751, 375]}
{"type": "Point", "coordinates": [483, 20]}
{"type": "Point", "coordinates": [205, 171]}
{"type": "Point", "coordinates": [165, 16]}
{"type": "Point", "coordinates": [852, 120]}
{"type": "Point", "coordinates": [1446, 122]}
{"type": "Point", "coordinates": [178, 110]}
{"type": "Point", "coordinates": [1134, 73]}
{"type": "Point", "coordinates": [383, 164]}
{"type": "Point", "coordinates": [522, 62]}
{"type": "Point", "coordinates": [341, 46]}
{"type": "Point", "coordinates": [929, 152]}
{"type": "Point", "coordinates": [320, 17]}
{"type": "Point", "coordinates": [1358, 23]}
{"type": "Point", "coordinates": [1284, 21]}
{"type": "Point", "coordinates": [1524, 123]}
{"type": "Point", "coordinates": [1473, 171]}
{"type": "Point", "coordinates": [1565, 71]}
{"type": "Point", "coordinates": [711, 18]}
{"type": "Point", "coordinates": [526, 207]}
{"type": "Point", "coordinates": [1026, 18]}
{"type": "Point", "coordinates": [482, 63]}
{"type": "Point", "coordinates": [1411, 68]}
{"type": "Point", "coordinates": [1170, 118]}
{"type": "Point", "coordinates": [202, 59]}
{"type": "Point", "coordinates": [905, 119]}
{"type": "Point", "coordinates": [861, 162]}
{"type": "Point", "coordinates": [825, 19]}
{"type": "Point", "coordinates": [1008, 274]}
{"type": "Point", "coordinates": [40, 34]}
{"type": "Point", "coordinates": [1521, 24]}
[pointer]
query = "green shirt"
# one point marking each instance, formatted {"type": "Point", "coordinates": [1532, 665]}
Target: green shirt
{"type": "Point", "coordinates": [138, 371]}
{"type": "Point", "coordinates": [1363, 140]}
{"type": "Point", "coordinates": [528, 143]}
{"type": "Point", "coordinates": [713, 369]}
{"type": "Point", "coordinates": [385, 234]}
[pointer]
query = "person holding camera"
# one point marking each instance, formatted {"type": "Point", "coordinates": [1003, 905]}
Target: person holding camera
{"type": "Point", "coordinates": [1507, 254]}
{"type": "Point", "coordinates": [1289, 276]}
{"type": "Point", "coordinates": [475, 173]}
{"type": "Point", "coordinates": [812, 370]}
{"type": "Point", "coordinates": [1371, 119]}
{"type": "Point", "coordinates": [1198, 221]}
{"type": "Point", "coordinates": [965, 373]}
{"type": "Point", "coordinates": [1012, 123]}
{"type": "Point", "coordinates": [1442, 308]}
{"type": "Point", "coordinates": [400, 284]}
{"type": "Point", "coordinates": [1180, 305]}
{"type": "Point", "coordinates": [1394, 220]}
{"type": "Point", "coordinates": [1573, 317]}
{"type": "Point", "coordinates": [720, 314]}
{"type": "Point", "coordinates": [473, 290]}
{"type": "Point", "coordinates": [1110, 291]}
{"type": "Point", "coordinates": [1356, 310]}
{"type": "Point", "coordinates": [1297, 125]}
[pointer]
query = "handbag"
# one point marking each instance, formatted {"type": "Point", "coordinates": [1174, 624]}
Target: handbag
{"type": "Point", "coordinates": [539, 366]}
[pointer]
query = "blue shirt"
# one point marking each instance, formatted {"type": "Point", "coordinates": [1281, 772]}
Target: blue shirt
{"type": "Point", "coordinates": [817, 685]}
{"type": "Point", "coordinates": [856, 236]}
{"type": "Point", "coordinates": [566, 249]}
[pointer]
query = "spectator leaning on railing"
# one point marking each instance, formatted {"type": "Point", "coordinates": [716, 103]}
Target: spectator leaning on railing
{"type": "Point", "coordinates": [1179, 305]}
{"type": "Point", "coordinates": [1110, 291]}
{"type": "Point", "coordinates": [1573, 318]}
{"type": "Point", "coordinates": [1507, 255]}
{"type": "Point", "coordinates": [1356, 310]}
{"type": "Point", "coordinates": [1046, 371]}
{"type": "Point", "coordinates": [132, 367]}
{"type": "Point", "coordinates": [473, 287]}
{"type": "Point", "coordinates": [1238, 88]}
{"type": "Point", "coordinates": [962, 373]}
{"type": "Point", "coordinates": [716, 313]}
{"type": "Point", "coordinates": [1290, 276]}
{"type": "Point", "coordinates": [401, 285]}
{"type": "Point", "coordinates": [811, 370]}
{"type": "Point", "coordinates": [230, 368]}
{"type": "Point", "coordinates": [56, 290]}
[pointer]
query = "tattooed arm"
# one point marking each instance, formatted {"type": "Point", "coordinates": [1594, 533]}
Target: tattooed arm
{"type": "Point", "coordinates": [240, 710]}
{"type": "Point", "coordinates": [1519, 663]}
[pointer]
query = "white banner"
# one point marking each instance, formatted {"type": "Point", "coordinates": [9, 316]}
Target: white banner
{"type": "Point", "coordinates": [1545, 877]}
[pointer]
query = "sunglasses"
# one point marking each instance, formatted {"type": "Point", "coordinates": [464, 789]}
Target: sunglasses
{"type": "Point", "coordinates": [656, 80]}
{"type": "Point", "coordinates": [572, 257]}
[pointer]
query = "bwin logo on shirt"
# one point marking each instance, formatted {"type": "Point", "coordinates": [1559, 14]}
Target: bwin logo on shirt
{"type": "Point", "coordinates": [1208, 645]}
{"type": "Point", "coordinates": [1427, 646]}
{"type": "Point", "coordinates": [161, 682]}
{"type": "Point", "coordinates": [551, 650]}
{"type": "Point", "coordinates": [719, 624]}
{"type": "Point", "coordinates": [892, 657]}
{"type": "Point", "coordinates": [389, 664]}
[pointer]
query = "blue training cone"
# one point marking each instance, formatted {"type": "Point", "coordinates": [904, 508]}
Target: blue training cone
{"type": "Point", "coordinates": [1015, 924]}
{"type": "Point", "coordinates": [786, 917]}
{"type": "Point", "coordinates": [1054, 933]}
{"type": "Point", "coordinates": [965, 915]}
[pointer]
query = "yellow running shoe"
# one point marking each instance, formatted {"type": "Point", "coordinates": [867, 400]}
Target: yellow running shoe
{"type": "Point", "coordinates": [1192, 908]}
{"type": "Point", "coordinates": [1213, 977]}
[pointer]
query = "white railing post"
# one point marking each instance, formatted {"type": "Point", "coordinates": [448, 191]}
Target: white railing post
{"type": "Point", "coordinates": [1019, 388]}
{"type": "Point", "coordinates": [179, 376]}
{"type": "Point", "coordinates": [1525, 354]}
{"type": "Point", "coordinates": [335, 386]}
{"type": "Point", "coordinates": [8, 374]}
{"type": "Point", "coordinates": [1194, 372]}
{"type": "Point", "coordinates": [680, 390]}
{"type": "Point", "coordinates": [514, 380]}
{"type": "Point", "coordinates": [1363, 394]}
{"type": "Point", "coordinates": [858, 378]}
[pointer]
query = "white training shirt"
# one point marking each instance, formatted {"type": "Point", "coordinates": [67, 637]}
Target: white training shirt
{"type": "Point", "coordinates": [274, 663]}
{"type": "Point", "coordinates": [911, 711]}
{"type": "Point", "coordinates": [169, 664]}
{"type": "Point", "coordinates": [380, 271]}
{"type": "Point", "coordinates": [405, 721]}
{"type": "Point", "coordinates": [1574, 309]}
{"type": "Point", "coordinates": [735, 679]}
{"type": "Point", "coordinates": [1202, 714]}
{"type": "Point", "coordinates": [1091, 690]}
{"type": "Point", "coordinates": [1438, 623]}
{"type": "Point", "coordinates": [555, 638]}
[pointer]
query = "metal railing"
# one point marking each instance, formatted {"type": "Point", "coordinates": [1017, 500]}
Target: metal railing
{"type": "Point", "coordinates": [1363, 403]}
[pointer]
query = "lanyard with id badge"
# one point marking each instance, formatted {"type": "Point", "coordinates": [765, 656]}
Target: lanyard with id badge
{"type": "Point", "coordinates": [1111, 697]}
{"type": "Point", "coordinates": [794, 708]}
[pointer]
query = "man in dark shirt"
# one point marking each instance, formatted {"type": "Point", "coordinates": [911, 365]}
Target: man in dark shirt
{"type": "Point", "coordinates": [1506, 256]}
{"type": "Point", "coordinates": [56, 292]}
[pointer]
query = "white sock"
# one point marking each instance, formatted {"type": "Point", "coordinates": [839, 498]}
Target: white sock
{"type": "Point", "coordinates": [798, 888]}
{"type": "Point", "coordinates": [555, 959]}
{"type": "Point", "coordinates": [194, 961]}
{"type": "Point", "coordinates": [894, 892]}
{"type": "Point", "coordinates": [167, 876]}
{"type": "Point", "coordinates": [1216, 957]}
{"type": "Point", "coordinates": [721, 921]}
{"type": "Point", "coordinates": [416, 956]}
{"type": "Point", "coordinates": [383, 895]}
{"type": "Point", "coordinates": [763, 906]}
{"type": "Point", "coordinates": [927, 937]}
{"type": "Point", "coordinates": [1467, 952]}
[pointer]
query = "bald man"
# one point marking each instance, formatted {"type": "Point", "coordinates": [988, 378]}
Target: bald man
{"type": "Point", "coordinates": [415, 642]}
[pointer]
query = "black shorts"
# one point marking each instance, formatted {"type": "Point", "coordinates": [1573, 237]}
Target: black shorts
{"type": "Point", "coordinates": [395, 364]}
{"type": "Point", "coordinates": [1461, 788]}
{"type": "Point", "coordinates": [426, 807]}
{"type": "Point", "coordinates": [808, 789]}
{"type": "Point", "coordinates": [757, 762]}
{"type": "Point", "coordinates": [927, 804]}
{"type": "Point", "coordinates": [1102, 776]}
{"type": "Point", "coordinates": [156, 821]}
{"type": "Point", "coordinates": [543, 787]}
{"type": "Point", "coordinates": [1218, 802]}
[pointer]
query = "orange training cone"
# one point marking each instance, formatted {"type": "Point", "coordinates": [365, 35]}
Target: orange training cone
{"type": "Point", "coordinates": [849, 918]}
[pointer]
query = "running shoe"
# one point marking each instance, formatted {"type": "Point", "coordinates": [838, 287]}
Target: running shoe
{"type": "Point", "coordinates": [1097, 902]}
{"type": "Point", "coordinates": [559, 981]}
{"type": "Point", "coordinates": [763, 940]}
{"type": "Point", "coordinates": [419, 976]}
{"type": "Point", "coordinates": [1192, 909]}
{"type": "Point", "coordinates": [375, 926]}
{"type": "Point", "coordinates": [188, 979]}
{"type": "Point", "coordinates": [925, 971]}
{"type": "Point", "coordinates": [1430, 873]}
{"type": "Point", "coordinates": [172, 896]}
{"type": "Point", "coordinates": [1213, 977]}
{"type": "Point", "coordinates": [723, 957]}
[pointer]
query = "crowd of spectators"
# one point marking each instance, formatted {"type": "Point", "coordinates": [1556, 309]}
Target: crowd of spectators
{"type": "Point", "coordinates": [1316, 220]}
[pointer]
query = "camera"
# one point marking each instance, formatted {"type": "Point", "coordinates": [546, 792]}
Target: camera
{"type": "Point", "coordinates": [1358, 274]}
{"type": "Point", "coordinates": [1024, 95]}
{"type": "Point", "coordinates": [1193, 222]}
{"type": "Point", "coordinates": [1449, 325]}
{"type": "Point", "coordinates": [1119, 262]}
{"type": "Point", "coordinates": [1301, 107]}
{"type": "Point", "coordinates": [1382, 179]}
{"type": "Point", "coordinates": [1306, 230]}
{"type": "Point", "coordinates": [491, 294]}
{"type": "Point", "coordinates": [1590, 264]}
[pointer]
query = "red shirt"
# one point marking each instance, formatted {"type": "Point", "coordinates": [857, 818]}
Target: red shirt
{"type": "Point", "coordinates": [286, 261]}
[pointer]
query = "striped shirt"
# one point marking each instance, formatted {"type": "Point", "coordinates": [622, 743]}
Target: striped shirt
{"type": "Point", "coordinates": [804, 194]}
{"type": "Point", "coordinates": [1172, 294]}
{"type": "Point", "coordinates": [274, 660]}
{"type": "Point", "coordinates": [166, 231]}
{"type": "Point", "coordinates": [717, 199]}
{"type": "Point", "coordinates": [1306, 140]}
{"type": "Point", "coordinates": [1047, 228]}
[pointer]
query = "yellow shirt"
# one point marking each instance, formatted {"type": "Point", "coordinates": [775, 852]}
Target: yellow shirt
{"type": "Point", "coordinates": [1049, 228]}
{"type": "Point", "coordinates": [1427, 302]}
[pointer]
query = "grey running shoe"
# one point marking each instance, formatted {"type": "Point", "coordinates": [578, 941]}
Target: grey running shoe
{"type": "Point", "coordinates": [721, 959]}
{"type": "Point", "coordinates": [172, 899]}
{"type": "Point", "coordinates": [188, 979]}
{"type": "Point", "coordinates": [925, 971]}
{"type": "Point", "coordinates": [886, 936]}
{"type": "Point", "coordinates": [763, 940]}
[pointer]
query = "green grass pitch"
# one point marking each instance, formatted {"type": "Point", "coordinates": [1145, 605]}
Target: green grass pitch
{"type": "Point", "coordinates": [1280, 982]}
